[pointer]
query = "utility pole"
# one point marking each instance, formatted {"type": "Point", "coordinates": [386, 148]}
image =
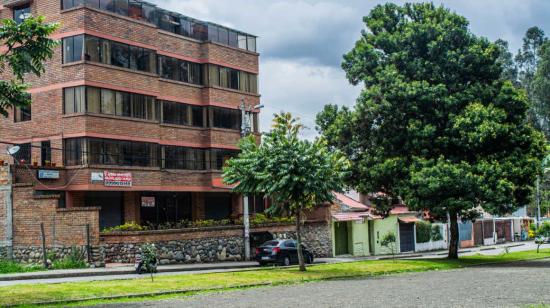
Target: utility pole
{"type": "Point", "coordinates": [538, 201]}
{"type": "Point", "coordinates": [246, 222]}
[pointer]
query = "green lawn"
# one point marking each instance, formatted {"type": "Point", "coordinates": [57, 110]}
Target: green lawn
{"type": "Point", "coordinates": [28, 294]}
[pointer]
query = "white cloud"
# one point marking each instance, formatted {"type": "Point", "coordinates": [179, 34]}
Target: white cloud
{"type": "Point", "coordinates": [302, 89]}
{"type": "Point", "coordinates": [302, 41]}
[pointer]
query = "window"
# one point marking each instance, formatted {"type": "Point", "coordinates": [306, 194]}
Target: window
{"type": "Point", "coordinates": [121, 7]}
{"type": "Point", "coordinates": [223, 35]}
{"type": "Point", "coordinates": [21, 13]}
{"type": "Point", "coordinates": [74, 100]}
{"type": "Point", "coordinates": [135, 10]}
{"type": "Point", "coordinates": [23, 113]}
{"type": "Point", "coordinates": [184, 158]}
{"type": "Point", "coordinates": [199, 31]}
{"type": "Point", "coordinates": [174, 113]}
{"type": "Point", "coordinates": [233, 40]}
{"type": "Point", "coordinates": [73, 152]}
{"type": "Point", "coordinates": [45, 152]}
{"type": "Point", "coordinates": [179, 70]}
{"type": "Point", "coordinates": [226, 118]}
{"type": "Point", "coordinates": [219, 157]}
{"type": "Point", "coordinates": [24, 153]}
{"type": "Point", "coordinates": [213, 33]}
{"type": "Point", "coordinates": [73, 48]}
{"type": "Point", "coordinates": [110, 152]}
{"type": "Point", "coordinates": [241, 41]}
{"type": "Point", "coordinates": [251, 43]}
{"type": "Point", "coordinates": [232, 79]}
{"type": "Point", "coordinates": [92, 50]}
{"type": "Point", "coordinates": [105, 101]}
{"type": "Point", "coordinates": [107, 5]}
{"type": "Point", "coordinates": [67, 4]}
{"type": "Point", "coordinates": [197, 116]}
{"type": "Point", "coordinates": [120, 54]}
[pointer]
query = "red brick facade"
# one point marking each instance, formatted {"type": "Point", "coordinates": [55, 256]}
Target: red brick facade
{"type": "Point", "coordinates": [65, 226]}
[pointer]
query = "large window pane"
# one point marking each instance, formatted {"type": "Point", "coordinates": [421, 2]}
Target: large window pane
{"type": "Point", "coordinates": [233, 41]}
{"type": "Point", "coordinates": [199, 31]}
{"type": "Point", "coordinates": [252, 43]}
{"type": "Point", "coordinates": [73, 151]}
{"type": "Point", "coordinates": [149, 13]}
{"type": "Point", "coordinates": [233, 79]}
{"type": "Point", "coordinates": [120, 54]}
{"type": "Point", "coordinates": [121, 7]}
{"type": "Point", "coordinates": [68, 100]}
{"type": "Point", "coordinates": [80, 99]}
{"type": "Point", "coordinates": [93, 49]}
{"type": "Point", "coordinates": [105, 51]}
{"type": "Point", "coordinates": [93, 99]}
{"type": "Point", "coordinates": [174, 113]}
{"type": "Point", "coordinates": [197, 116]}
{"type": "Point", "coordinates": [183, 67]}
{"type": "Point", "coordinates": [195, 70]}
{"type": "Point", "coordinates": [107, 101]}
{"type": "Point", "coordinates": [253, 83]}
{"type": "Point", "coordinates": [241, 41]}
{"type": "Point", "coordinates": [21, 13]}
{"type": "Point", "coordinates": [185, 27]}
{"type": "Point", "coordinates": [72, 48]}
{"type": "Point", "coordinates": [224, 77]}
{"type": "Point", "coordinates": [223, 35]}
{"type": "Point", "coordinates": [108, 5]}
{"type": "Point", "coordinates": [92, 3]}
{"type": "Point", "coordinates": [213, 33]}
{"type": "Point", "coordinates": [134, 10]}
{"type": "Point", "coordinates": [226, 118]}
{"type": "Point", "coordinates": [138, 106]}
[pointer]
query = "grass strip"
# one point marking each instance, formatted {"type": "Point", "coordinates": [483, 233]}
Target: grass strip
{"type": "Point", "coordinates": [182, 284]}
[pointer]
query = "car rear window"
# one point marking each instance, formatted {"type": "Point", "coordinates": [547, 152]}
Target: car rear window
{"type": "Point", "coordinates": [271, 243]}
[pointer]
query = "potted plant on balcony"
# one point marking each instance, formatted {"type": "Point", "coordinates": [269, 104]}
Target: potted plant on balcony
{"type": "Point", "coordinates": [47, 163]}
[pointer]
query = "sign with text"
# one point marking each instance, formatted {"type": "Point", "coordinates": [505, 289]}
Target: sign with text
{"type": "Point", "coordinates": [117, 179]}
{"type": "Point", "coordinates": [96, 177]}
{"type": "Point", "coordinates": [48, 174]}
{"type": "Point", "coordinates": [147, 201]}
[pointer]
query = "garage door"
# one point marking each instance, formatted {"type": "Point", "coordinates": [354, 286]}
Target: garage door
{"type": "Point", "coordinates": [406, 237]}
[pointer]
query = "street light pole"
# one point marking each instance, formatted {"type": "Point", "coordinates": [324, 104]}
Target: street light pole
{"type": "Point", "coordinates": [246, 220]}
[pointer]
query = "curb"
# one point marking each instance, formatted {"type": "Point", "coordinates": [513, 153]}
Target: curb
{"type": "Point", "coordinates": [117, 272]}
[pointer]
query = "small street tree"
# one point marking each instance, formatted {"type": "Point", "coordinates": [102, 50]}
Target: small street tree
{"type": "Point", "coordinates": [437, 124]}
{"type": "Point", "coordinates": [25, 47]}
{"type": "Point", "coordinates": [296, 175]}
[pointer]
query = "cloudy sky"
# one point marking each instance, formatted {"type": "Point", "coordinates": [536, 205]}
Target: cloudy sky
{"type": "Point", "coordinates": [301, 42]}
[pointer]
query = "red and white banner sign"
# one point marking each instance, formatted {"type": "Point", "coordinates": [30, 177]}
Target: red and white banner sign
{"type": "Point", "coordinates": [117, 179]}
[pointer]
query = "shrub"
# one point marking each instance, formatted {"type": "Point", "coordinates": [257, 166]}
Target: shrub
{"type": "Point", "coordinates": [390, 242]}
{"type": "Point", "coordinates": [75, 259]}
{"type": "Point", "coordinates": [129, 226]}
{"type": "Point", "coordinates": [436, 233]}
{"type": "Point", "coordinates": [544, 229]}
{"type": "Point", "coordinates": [149, 258]}
{"type": "Point", "coordinates": [423, 231]}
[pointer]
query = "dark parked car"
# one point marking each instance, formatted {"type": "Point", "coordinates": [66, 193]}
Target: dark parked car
{"type": "Point", "coordinates": [282, 252]}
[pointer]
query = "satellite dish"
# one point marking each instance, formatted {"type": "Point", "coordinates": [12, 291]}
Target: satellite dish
{"type": "Point", "coordinates": [13, 150]}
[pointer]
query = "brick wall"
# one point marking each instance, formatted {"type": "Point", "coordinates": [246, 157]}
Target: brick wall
{"type": "Point", "coordinates": [63, 227]}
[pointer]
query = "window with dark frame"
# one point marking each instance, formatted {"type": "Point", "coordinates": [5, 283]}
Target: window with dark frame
{"type": "Point", "coordinates": [45, 152]}
{"type": "Point", "coordinates": [73, 48]}
{"type": "Point", "coordinates": [23, 113]}
{"type": "Point", "coordinates": [105, 101]}
{"type": "Point", "coordinates": [21, 13]}
{"type": "Point", "coordinates": [168, 21]}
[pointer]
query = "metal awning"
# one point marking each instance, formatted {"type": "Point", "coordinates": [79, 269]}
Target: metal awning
{"type": "Point", "coordinates": [408, 219]}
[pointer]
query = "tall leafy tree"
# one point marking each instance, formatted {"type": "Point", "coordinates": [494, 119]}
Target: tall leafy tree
{"type": "Point", "coordinates": [540, 87]}
{"type": "Point", "coordinates": [296, 175]}
{"type": "Point", "coordinates": [25, 47]}
{"type": "Point", "coordinates": [507, 63]}
{"type": "Point", "coordinates": [528, 59]}
{"type": "Point", "coordinates": [436, 123]}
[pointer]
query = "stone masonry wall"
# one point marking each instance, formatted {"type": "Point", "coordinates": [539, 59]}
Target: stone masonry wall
{"type": "Point", "coordinates": [182, 251]}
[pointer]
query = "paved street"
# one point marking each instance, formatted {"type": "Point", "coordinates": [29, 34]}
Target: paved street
{"type": "Point", "coordinates": [510, 285]}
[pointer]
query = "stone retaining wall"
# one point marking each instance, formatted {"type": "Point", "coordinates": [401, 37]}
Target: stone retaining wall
{"type": "Point", "coordinates": [181, 251]}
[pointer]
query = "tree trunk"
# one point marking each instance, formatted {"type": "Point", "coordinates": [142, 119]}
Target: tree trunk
{"type": "Point", "coordinates": [453, 241]}
{"type": "Point", "coordinates": [299, 242]}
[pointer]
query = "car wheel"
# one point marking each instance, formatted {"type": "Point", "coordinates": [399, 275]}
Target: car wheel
{"type": "Point", "coordinates": [286, 261]}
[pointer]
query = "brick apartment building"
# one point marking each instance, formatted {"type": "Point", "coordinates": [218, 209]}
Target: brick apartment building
{"type": "Point", "coordinates": [131, 122]}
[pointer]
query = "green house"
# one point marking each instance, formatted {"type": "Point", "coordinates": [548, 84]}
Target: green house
{"type": "Point", "coordinates": [356, 231]}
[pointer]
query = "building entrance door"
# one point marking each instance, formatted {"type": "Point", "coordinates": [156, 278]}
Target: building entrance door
{"type": "Point", "coordinates": [341, 238]}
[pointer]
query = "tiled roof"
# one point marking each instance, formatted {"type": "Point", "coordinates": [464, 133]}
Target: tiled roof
{"type": "Point", "coordinates": [351, 216]}
{"type": "Point", "coordinates": [349, 202]}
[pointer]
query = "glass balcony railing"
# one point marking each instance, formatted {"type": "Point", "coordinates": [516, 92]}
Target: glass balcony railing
{"type": "Point", "coordinates": [171, 21]}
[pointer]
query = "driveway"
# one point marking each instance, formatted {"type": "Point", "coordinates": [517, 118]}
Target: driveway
{"type": "Point", "coordinates": [511, 285]}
